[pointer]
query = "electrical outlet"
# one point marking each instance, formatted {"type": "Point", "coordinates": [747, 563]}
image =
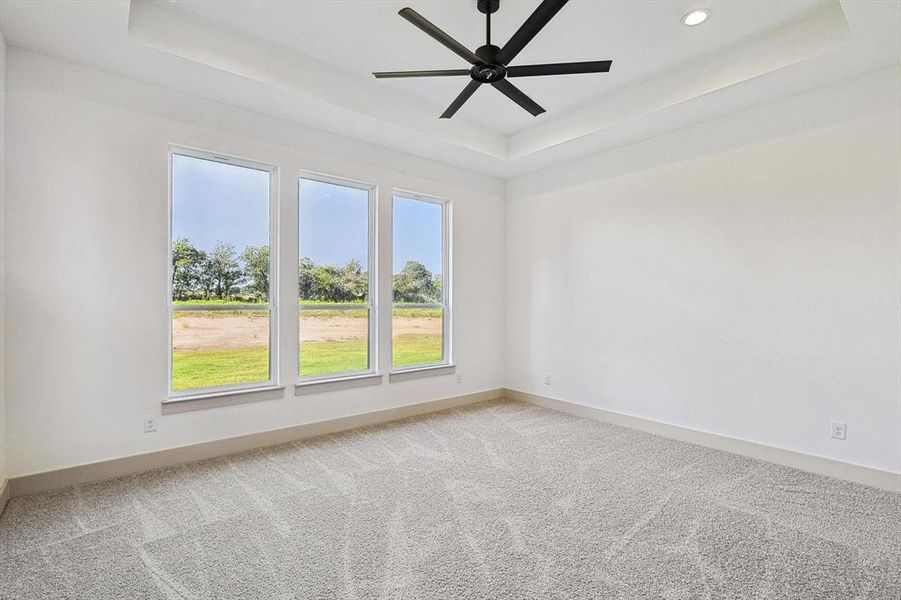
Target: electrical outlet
{"type": "Point", "coordinates": [149, 424]}
{"type": "Point", "coordinates": [459, 378]}
{"type": "Point", "coordinates": [839, 430]}
{"type": "Point", "coordinates": [547, 379]}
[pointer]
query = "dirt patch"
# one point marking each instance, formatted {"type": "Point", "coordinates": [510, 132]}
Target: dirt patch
{"type": "Point", "coordinates": [241, 331]}
{"type": "Point", "coordinates": [404, 325]}
{"type": "Point", "coordinates": [220, 331]}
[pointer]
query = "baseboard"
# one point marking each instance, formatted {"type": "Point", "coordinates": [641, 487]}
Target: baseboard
{"type": "Point", "coordinates": [48, 480]}
{"type": "Point", "coordinates": [4, 495]}
{"type": "Point", "coordinates": [806, 462]}
{"type": "Point", "coordinates": [98, 471]}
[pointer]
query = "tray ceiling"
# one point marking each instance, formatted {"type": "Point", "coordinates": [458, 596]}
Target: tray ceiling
{"type": "Point", "coordinates": [310, 62]}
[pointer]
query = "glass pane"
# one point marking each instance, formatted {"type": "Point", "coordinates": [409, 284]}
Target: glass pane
{"type": "Point", "coordinates": [220, 232]}
{"type": "Point", "coordinates": [333, 341]}
{"type": "Point", "coordinates": [219, 347]}
{"type": "Point", "coordinates": [416, 336]}
{"type": "Point", "coordinates": [334, 243]}
{"type": "Point", "coordinates": [417, 251]}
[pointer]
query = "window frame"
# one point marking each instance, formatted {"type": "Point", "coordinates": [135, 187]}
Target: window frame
{"type": "Point", "coordinates": [371, 269]}
{"type": "Point", "coordinates": [446, 304]}
{"type": "Point", "coordinates": [271, 306]}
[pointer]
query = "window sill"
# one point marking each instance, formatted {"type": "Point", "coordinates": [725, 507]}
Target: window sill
{"type": "Point", "coordinates": [317, 386]}
{"type": "Point", "coordinates": [421, 372]}
{"type": "Point", "coordinates": [217, 399]}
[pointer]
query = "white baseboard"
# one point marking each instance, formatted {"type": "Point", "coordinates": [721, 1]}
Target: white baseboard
{"type": "Point", "coordinates": [48, 480]}
{"type": "Point", "coordinates": [4, 495]}
{"type": "Point", "coordinates": [886, 480]}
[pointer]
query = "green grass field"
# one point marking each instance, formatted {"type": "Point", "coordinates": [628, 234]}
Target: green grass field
{"type": "Point", "coordinates": [416, 349]}
{"type": "Point", "coordinates": [208, 368]}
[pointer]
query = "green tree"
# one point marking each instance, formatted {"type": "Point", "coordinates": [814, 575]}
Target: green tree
{"type": "Point", "coordinates": [256, 270]}
{"type": "Point", "coordinates": [187, 267]}
{"type": "Point", "coordinates": [415, 284]}
{"type": "Point", "coordinates": [205, 279]}
{"type": "Point", "coordinates": [354, 282]}
{"type": "Point", "coordinates": [327, 284]}
{"type": "Point", "coordinates": [437, 286]}
{"type": "Point", "coordinates": [306, 278]}
{"type": "Point", "coordinates": [224, 270]}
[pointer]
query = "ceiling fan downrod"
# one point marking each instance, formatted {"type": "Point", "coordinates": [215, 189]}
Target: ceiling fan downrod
{"type": "Point", "coordinates": [487, 7]}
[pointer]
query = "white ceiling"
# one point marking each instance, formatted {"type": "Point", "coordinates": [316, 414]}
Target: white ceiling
{"type": "Point", "coordinates": [643, 39]}
{"type": "Point", "coordinates": [310, 62]}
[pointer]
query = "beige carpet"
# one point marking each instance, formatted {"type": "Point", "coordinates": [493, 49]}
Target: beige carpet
{"type": "Point", "coordinates": [500, 500]}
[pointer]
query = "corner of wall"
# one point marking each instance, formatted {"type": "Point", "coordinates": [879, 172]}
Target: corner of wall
{"type": "Point", "coordinates": [2, 272]}
{"type": "Point", "coordinates": [504, 260]}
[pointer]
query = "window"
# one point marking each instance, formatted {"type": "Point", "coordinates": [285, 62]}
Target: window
{"type": "Point", "coordinates": [421, 317]}
{"type": "Point", "coordinates": [221, 279]}
{"type": "Point", "coordinates": [336, 277]}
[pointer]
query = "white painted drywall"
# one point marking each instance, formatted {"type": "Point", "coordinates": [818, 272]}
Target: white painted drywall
{"type": "Point", "coordinates": [86, 263]}
{"type": "Point", "coordinates": [752, 293]}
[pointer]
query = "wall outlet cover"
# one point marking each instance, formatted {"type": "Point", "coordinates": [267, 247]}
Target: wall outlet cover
{"type": "Point", "coordinates": [149, 424]}
{"type": "Point", "coordinates": [839, 430]}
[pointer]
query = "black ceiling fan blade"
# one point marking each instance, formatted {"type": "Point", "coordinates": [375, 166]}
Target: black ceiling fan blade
{"type": "Point", "coordinates": [571, 68]}
{"type": "Point", "coordinates": [439, 73]}
{"type": "Point", "coordinates": [528, 30]}
{"type": "Point", "coordinates": [430, 28]}
{"type": "Point", "coordinates": [468, 91]}
{"type": "Point", "coordinates": [515, 94]}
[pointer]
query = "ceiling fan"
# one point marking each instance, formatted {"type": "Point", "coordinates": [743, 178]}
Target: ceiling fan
{"type": "Point", "coordinates": [490, 63]}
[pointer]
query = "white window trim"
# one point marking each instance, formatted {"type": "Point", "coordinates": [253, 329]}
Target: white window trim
{"type": "Point", "coordinates": [371, 268]}
{"type": "Point", "coordinates": [271, 306]}
{"type": "Point", "coordinates": [446, 303]}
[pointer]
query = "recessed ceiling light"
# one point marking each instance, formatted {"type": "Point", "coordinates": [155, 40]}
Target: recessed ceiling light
{"type": "Point", "coordinates": [696, 17]}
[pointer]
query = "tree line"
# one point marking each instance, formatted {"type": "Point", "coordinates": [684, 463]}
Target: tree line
{"type": "Point", "coordinates": [224, 274]}
{"type": "Point", "coordinates": [220, 274]}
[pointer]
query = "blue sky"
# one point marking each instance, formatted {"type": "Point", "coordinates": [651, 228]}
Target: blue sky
{"type": "Point", "coordinates": [214, 202]}
{"type": "Point", "coordinates": [333, 227]}
{"type": "Point", "coordinates": [417, 233]}
{"type": "Point", "coordinates": [218, 202]}
{"type": "Point", "coordinates": [333, 223]}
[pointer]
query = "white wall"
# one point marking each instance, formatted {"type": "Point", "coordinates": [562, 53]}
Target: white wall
{"type": "Point", "coordinates": [752, 293]}
{"type": "Point", "coordinates": [86, 263]}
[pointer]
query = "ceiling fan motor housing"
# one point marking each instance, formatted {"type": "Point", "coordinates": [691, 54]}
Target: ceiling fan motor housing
{"type": "Point", "coordinates": [488, 6]}
{"type": "Point", "coordinates": [488, 73]}
{"type": "Point", "coordinates": [489, 70]}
